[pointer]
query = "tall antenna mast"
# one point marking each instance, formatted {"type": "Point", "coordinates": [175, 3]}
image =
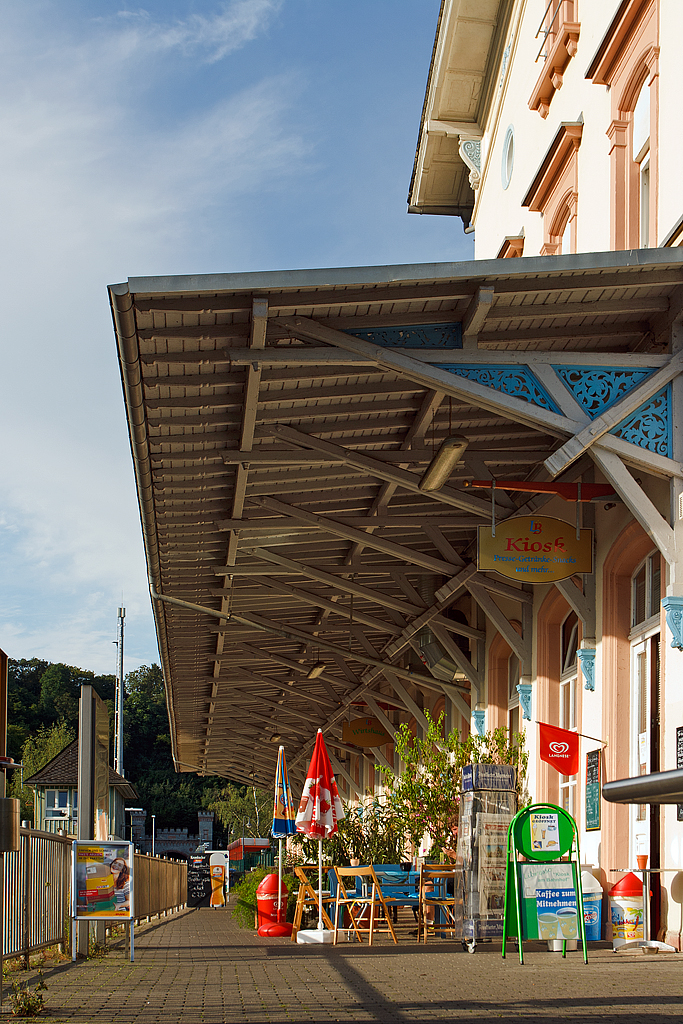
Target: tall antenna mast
{"type": "Point", "coordinates": [118, 702]}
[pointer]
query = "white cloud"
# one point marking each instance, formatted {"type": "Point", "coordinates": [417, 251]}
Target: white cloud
{"type": "Point", "coordinates": [93, 188]}
{"type": "Point", "coordinates": [234, 25]}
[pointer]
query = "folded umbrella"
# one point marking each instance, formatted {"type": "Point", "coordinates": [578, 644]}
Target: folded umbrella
{"type": "Point", "coordinates": [320, 808]}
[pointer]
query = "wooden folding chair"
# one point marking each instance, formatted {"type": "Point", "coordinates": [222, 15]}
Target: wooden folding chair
{"type": "Point", "coordinates": [438, 893]}
{"type": "Point", "coordinates": [368, 898]}
{"type": "Point", "coordinates": [308, 897]}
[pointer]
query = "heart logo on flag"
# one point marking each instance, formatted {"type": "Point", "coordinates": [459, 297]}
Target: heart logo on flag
{"type": "Point", "coordinates": [559, 748]}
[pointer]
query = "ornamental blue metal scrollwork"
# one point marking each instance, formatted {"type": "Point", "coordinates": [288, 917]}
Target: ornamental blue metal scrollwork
{"type": "Point", "coordinates": [673, 606]}
{"type": "Point", "coordinates": [596, 388]}
{"type": "Point", "coordinates": [650, 426]}
{"type": "Point", "coordinates": [479, 716]}
{"type": "Point", "coordinates": [586, 656]}
{"type": "Point", "coordinates": [413, 336]}
{"type": "Point", "coordinates": [524, 691]}
{"type": "Point", "coordinates": [518, 381]}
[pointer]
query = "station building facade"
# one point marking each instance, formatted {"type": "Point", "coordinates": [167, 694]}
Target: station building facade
{"type": "Point", "coordinates": [551, 129]}
{"type": "Point", "coordinates": [282, 427]}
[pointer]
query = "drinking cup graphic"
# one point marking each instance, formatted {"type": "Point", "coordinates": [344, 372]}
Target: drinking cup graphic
{"type": "Point", "coordinates": [566, 917]}
{"type": "Point", "coordinates": [547, 924]}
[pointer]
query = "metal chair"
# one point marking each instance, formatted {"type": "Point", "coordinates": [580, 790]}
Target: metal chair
{"type": "Point", "coordinates": [369, 898]}
{"type": "Point", "coordinates": [308, 897]}
{"type": "Point", "coordinates": [438, 893]}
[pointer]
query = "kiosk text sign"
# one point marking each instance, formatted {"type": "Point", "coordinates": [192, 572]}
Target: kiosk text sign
{"type": "Point", "coordinates": [535, 549]}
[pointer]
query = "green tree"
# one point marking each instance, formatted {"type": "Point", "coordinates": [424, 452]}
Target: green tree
{"type": "Point", "coordinates": [426, 796]}
{"type": "Point", "coordinates": [242, 809]}
{"type": "Point", "coordinates": [38, 750]}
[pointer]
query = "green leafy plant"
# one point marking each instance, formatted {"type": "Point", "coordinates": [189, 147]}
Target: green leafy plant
{"type": "Point", "coordinates": [97, 950]}
{"type": "Point", "coordinates": [425, 797]}
{"type": "Point", "coordinates": [372, 832]}
{"type": "Point", "coordinates": [27, 1002]}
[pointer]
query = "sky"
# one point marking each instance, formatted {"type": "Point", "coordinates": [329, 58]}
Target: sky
{"type": "Point", "coordinates": [182, 137]}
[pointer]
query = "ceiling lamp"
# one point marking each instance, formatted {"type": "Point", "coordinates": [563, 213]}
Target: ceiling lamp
{"type": "Point", "coordinates": [316, 670]}
{"type": "Point", "coordinates": [442, 465]}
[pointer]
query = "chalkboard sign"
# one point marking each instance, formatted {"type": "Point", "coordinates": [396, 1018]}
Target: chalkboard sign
{"type": "Point", "coordinates": [593, 789]}
{"type": "Point", "coordinates": [198, 882]}
{"type": "Point", "coordinates": [679, 764]}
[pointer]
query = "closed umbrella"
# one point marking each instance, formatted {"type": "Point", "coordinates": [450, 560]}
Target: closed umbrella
{"type": "Point", "coordinates": [283, 825]}
{"type": "Point", "coordinates": [319, 811]}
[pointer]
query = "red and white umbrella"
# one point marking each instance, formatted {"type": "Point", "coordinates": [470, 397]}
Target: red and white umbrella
{"type": "Point", "coordinates": [320, 807]}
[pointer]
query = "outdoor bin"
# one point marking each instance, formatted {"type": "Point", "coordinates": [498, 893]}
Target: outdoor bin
{"type": "Point", "coordinates": [626, 909]}
{"type": "Point", "coordinates": [592, 906]}
{"type": "Point", "coordinates": [266, 905]}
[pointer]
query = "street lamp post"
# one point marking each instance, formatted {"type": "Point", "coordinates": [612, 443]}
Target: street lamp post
{"type": "Point", "coordinates": [154, 830]}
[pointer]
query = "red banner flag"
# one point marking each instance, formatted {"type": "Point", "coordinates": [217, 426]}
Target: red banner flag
{"type": "Point", "coordinates": [560, 748]}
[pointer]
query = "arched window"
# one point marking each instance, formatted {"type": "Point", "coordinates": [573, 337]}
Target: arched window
{"type": "Point", "coordinates": [569, 633]}
{"type": "Point", "coordinates": [513, 695]}
{"type": "Point", "coordinates": [646, 586]}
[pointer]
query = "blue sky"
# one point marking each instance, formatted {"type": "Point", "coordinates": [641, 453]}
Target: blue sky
{"type": "Point", "coordinates": [178, 137]}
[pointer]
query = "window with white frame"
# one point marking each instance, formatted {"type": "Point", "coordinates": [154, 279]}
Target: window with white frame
{"type": "Point", "coordinates": [640, 144]}
{"type": "Point", "coordinates": [646, 584]}
{"type": "Point", "coordinates": [513, 695]}
{"type": "Point", "coordinates": [57, 803]}
{"type": "Point", "coordinates": [646, 596]}
{"type": "Point", "coordinates": [568, 716]}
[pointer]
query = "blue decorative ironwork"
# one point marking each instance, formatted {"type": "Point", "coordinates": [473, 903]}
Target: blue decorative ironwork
{"type": "Point", "coordinates": [413, 336]}
{"type": "Point", "coordinates": [596, 388]}
{"type": "Point", "coordinates": [650, 426]}
{"type": "Point", "coordinates": [517, 381]}
{"type": "Point", "coordinates": [586, 656]}
{"type": "Point", "coordinates": [673, 606]}
{"type": "Point", "coordinates": [524, 691]}
{"type": "Point", "coordinates": [479, 716]}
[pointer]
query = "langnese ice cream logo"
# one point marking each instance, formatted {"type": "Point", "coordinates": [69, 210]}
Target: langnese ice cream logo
{"type": "Point", "coordinates": [559, 749]}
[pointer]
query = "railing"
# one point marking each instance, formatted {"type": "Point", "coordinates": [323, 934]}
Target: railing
{"type": "Point", "coordinates": [36, 893]}
{"type": "Point", "coordinates": [160, 886]}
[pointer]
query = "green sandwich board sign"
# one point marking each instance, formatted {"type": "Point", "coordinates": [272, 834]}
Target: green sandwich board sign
{"type": "Point", "coordinates": [543, 898]}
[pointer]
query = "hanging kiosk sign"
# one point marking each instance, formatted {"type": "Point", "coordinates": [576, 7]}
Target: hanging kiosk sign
{"type": "Point", "coordinates": [543, 898]}
{"type": "Point", "coordinates": [102, 883]}
{"type": "Point", "coordinates": [534, 549]}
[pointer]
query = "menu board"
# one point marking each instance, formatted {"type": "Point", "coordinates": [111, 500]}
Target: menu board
{"type": "Point", "coordinates": [198, 882]}
{"type": "Point", "coordinates": [593, 790]}
{"type": "Point", "coordinates": [679, 764]}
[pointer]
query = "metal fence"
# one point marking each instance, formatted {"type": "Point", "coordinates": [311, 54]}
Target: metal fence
{"type": "Point", "coordinates": [160, 885]}
{"type": "Point", "coordinates": [36, 893]}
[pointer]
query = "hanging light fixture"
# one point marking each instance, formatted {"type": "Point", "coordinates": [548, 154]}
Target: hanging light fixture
{"type": "Point", "coordinates": [316, 670]}
{"type": "Point", "coordinates": [442, 465]}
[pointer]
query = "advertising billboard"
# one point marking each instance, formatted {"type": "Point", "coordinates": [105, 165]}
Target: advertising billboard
{"type": "Point", "coordinates": [102, 880]}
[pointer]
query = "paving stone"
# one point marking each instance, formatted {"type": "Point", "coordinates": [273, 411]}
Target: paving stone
{"type": "Point", "coordinates": [198, 967]}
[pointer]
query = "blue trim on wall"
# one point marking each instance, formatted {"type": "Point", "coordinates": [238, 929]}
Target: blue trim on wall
{"type": "Point", "coordinates": [650, 426]}
{"type": "Point", "coordinates": [597, 388]}
{"type": "Point", "coordinates": [413, 336]}
{"type": "Point", "coordinates": [517, 381]}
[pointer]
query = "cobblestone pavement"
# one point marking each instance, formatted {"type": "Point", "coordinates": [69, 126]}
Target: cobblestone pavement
{"type": "Point", "coordinates": [198, 966]}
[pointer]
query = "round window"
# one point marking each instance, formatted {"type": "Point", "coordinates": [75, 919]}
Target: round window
{"type": "Point", "coordinates": [508, 156]}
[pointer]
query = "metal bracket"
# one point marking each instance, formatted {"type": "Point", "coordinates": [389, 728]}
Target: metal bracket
{"type": "Point", "coordinates": [524, 691]}
{"type": "Point", "coordinates": [586, 656]}
{"type": "Point", "coordinates": [673, 606]}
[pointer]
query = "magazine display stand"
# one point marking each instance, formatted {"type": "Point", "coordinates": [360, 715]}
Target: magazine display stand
{"type": "Point", "coordinates": [488, 802]}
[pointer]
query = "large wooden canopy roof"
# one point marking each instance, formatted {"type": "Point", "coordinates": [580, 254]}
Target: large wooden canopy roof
{"type": "Point", "coordinates": [280, 425]}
